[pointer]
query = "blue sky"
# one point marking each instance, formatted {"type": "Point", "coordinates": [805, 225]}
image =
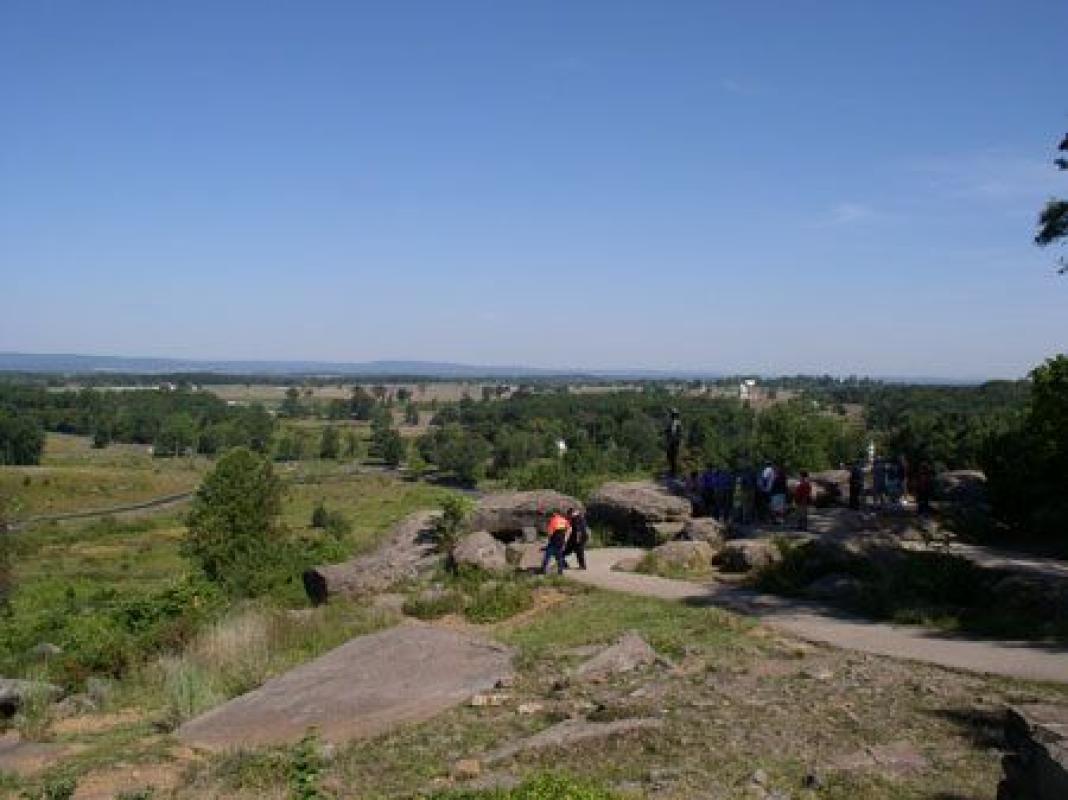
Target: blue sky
{"type": "Point", "coordinates": [773, 187]}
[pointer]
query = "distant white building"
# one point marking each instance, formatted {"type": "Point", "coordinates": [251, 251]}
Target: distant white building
{"type": "Point", "coordinates": [746, 389]}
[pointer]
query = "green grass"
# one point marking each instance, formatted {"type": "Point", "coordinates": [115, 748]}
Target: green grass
{"type": "Point", "coordinates": [549, 786]}
{"type": "Point", "coordinates": [600, 617]}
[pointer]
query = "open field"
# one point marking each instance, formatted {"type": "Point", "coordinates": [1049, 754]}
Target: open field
{"type": "Point", "coordinates": [74, 477]}
{"type": "Point", "coordinates": [440, 391]}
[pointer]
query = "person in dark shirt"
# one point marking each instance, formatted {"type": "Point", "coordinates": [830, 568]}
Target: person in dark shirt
{"type": "Point", "coordinates": [580, 535]}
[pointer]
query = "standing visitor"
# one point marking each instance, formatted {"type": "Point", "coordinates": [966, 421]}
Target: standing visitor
{"type": "Point", "coordinates": [856, 485]}
{"type": "Point", "coordinates": [802, 499]}
{"type": "Point", "coordinates": [558, 529]}
{"type": "Point", "coordinates": [580, 535]}
{"type": "Point", "coordinates": [673, 441]}
{"type": "Point", "coordinates": [878, 482]}
{"type": "Point", "coordinates": [778, 495]}
{"type": "Point", "coordinates": [924, 488]}
{"type": "Point", "coordinates": [747, 486]}
{"type": "Point", "coordinates": [763, 497]}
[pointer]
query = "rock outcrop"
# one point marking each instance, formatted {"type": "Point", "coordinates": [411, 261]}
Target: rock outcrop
{"type": "Point", "coordinates": [507, 514]}
{"type": "Point", "coordinates": [1036, 767]}
{"type": "Point", "coordinates": [571, 731]}
{"type": "Point", "coordinates": [684, 556]}
{"type": "Point", "coordinates": [525, 556]}
{"type": "Point", "coordinates": [629, 653]}
{"type": "Point", "coordinates": [640, 511]}
{"type": "Point", "coordinates": [14, 693]}
{"type": "Point", "coordinates": [748, 555]}
{"type": "Point", "coordinates": [480, 550]}
{"type": "Point", "coordinates": [408, 552]}
{"type": "Point", "coordinates": [704, 529]}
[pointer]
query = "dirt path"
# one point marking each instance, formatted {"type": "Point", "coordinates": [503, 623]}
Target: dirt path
{"type": "Point", "coordinates": [820, 623]}
{"type": "Point", "coordinates": [127, 510]}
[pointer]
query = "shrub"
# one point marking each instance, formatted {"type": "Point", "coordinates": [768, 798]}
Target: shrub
{"type": "Point", "coordinates": [306, 767]}
{"type": "Point", "coordinates": [188, 689]}
{"type": "Point", "coordinates": [499, 600]}
{"type": "Point", "coordinates": [319, 515]}
{"type": "Point", "coordinates": [432, 604]}
{"type": "Point", "coordinates": [233, 530]}
{"type": "Point", "coordinates": [54, 789]}
{"type": "Point", "coordinates": [455, 509]}
{"type": "Point", "coordinates": [549, 786]}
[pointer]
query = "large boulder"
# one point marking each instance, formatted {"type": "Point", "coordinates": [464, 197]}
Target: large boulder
{"type": "Point", "coordinates": [641, 511]}
{"type": "Point", "coordinates": [629, 653]}
{"type": "Point", "coordinates": [507, 514]}
{"type": "Point", "coordinates": [831, 553]}
{"type": "Point", "coordinates": [963, 486]}
{"type": "Point", "coordinates": [14, 693]}
{"type": "Point", "coordinates": [408, 552]}
{"type": "Point", "coordinates": [748, 555]}
{"type": "Point", "coordinates": [479, 550]}
{"type": "Point", "coordinates": [680, 556]}
{"type": "Point", "coordinates": [1036, 766]}
{"type": "Point", "coordinates": [525, 556]}
{"type": "Point", "coordinates": [704, 529]}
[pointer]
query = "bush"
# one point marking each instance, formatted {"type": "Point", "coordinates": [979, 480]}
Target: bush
{"type": "Point", "coordinates": [455, 509]}
{"type": "Point", "coordinates": [550, 786]}
{"type": "Point", "coordinates": [319, 515]}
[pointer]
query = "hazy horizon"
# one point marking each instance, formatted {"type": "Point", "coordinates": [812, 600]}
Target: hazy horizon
{"type": "Point", "coordinates": [691, 187]}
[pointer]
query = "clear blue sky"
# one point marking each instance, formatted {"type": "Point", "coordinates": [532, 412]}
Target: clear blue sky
{"type": "Point", "coordinates": [767, 186]}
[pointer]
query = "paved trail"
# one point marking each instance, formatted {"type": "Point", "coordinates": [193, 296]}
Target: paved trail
{"type": "Point", "coordinates": [820, 623]}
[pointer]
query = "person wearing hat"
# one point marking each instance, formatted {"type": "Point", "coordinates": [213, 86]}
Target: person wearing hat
{"type": "Point", "coordinates": [673, 440]}
{"type": "Point", "coordinates": [558, 530]}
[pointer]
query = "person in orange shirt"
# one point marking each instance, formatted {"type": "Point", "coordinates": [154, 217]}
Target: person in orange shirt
{"type": "Point", "coordinates": [558, 530]}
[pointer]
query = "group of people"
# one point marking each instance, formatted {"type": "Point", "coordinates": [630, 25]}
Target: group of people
{"type": "Point", "coordinates": [568, 534]}
{"type": "Point", "coordinates": [891, 482]}
{"type": "Point", "coordinates": [748, 495]}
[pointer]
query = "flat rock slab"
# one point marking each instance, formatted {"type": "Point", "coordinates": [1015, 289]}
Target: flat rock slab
{"type": "Point", "coordinates": [363, 688]}
{"type": "Point", "coordinates": [572, 731]}
{"type": "Point", "coordinates": [29, 758]}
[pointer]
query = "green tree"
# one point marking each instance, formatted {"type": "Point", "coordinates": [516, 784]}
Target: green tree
{"type": "Point", "coordinates": [330, 443]}
{"type": "Point", "coordinates": [361, 404]}
{"type": "Point", "coordinates": [411, 414]}
{"type": "Point", "coordinates": [291, 406]}
{"type": "Point", "coordinates": [455, 450]}
{"type": "Point", "coordinates": [21, 439]}
{"type": "Point", "coordinates": [392, 448]}
{"type": "Point", "coordinates": [1053, 220]}
{"type": "Point", "coordinates": [233, 530]}
{"type": "Point", "coordinates": [178, 433]}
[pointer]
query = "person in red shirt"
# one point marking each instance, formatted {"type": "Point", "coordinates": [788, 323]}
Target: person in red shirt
{"type": "Point", "coordinates": [803, 499]}
{"type": "Point", "coordinates": [558, 530]}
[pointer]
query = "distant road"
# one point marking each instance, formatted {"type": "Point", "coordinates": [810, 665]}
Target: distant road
{"type": "Point", "coordinates": [154, 504]}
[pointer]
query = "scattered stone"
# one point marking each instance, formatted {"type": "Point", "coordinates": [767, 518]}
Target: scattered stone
{"type": "Point", "coordinates": [466, 769]}
{"type": "Point", "coordinates": [634, 510]}
{"type": "Point", "coordinates": [488, 700]}
{"type": "Point", "coordinates": [630, 564]}
{"type": "Point", "coordinates": [572, 731]}
{"type": "Point", "coordinates": [45, 651]}
{"type": "Point", "coordinates": [505, 682]}
{"type": "Point", "coordinates": [99, 690]}
{"type": "Point", "coordinates": [817, 674]}
{"type": "Point", "coordinates": [688, 556]}
{"type": "Point", "coordinates": [14, 692]}
{"type": "Point", "coordinates": [408, 553]}
{"type": "Point", "coordinates": [390, 601]}
{"type": "Point", "coordinates": [509, 515]}
{"type": "Point", "coordinates": [759, 778]}
{"type": "Point", "coordinates": [626, 655]}
{"type": "Point", "coordinates": [812, 781]}
{"type": "Point", "coordinates": [300, 615]}
{"type": "Point", "coordinates": [366, 687]}
{"type": "Point", "coordinates": [480, 550]}
{"type": "Point", "coordinates": [530, 708]}
{"type": "Point", "coordinates": [749, 555]}
{"type": "Point", "coordinates": [896, 759]}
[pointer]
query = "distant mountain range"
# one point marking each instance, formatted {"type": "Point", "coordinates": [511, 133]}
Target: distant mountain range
{"type": "Point", "coordinates": [72, 364]}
